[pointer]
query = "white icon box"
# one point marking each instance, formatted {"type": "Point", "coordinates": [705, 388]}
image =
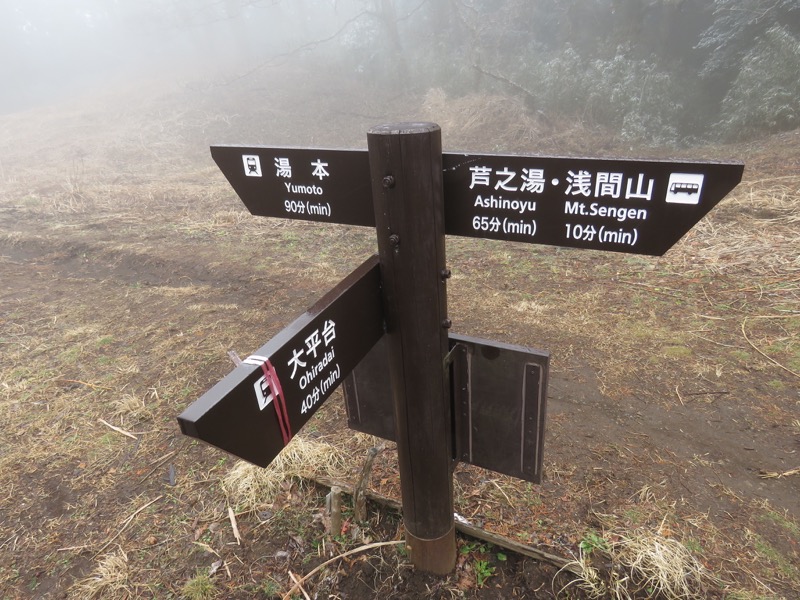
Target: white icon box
{"type": "Point", "coordinates": [684, 188]}
{"type": "Point", "coordinates": [252, 165]}
{"type": "Point", "coordinates": [263, 393]}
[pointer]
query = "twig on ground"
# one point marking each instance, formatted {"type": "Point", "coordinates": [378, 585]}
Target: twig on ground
{"type": "Point", "coordinates": [705, 339]}
{"type": "Point", "coordinates": [664, 291]}
{"type": "Point", "coordinates": [465, 528]}
{"type": "Point", "coordinates": [127, 522]}
{"type": "Point", "coordinates": [359, 500]}
{"type": "Point", "coordinates": [333, 505]}
{"type": "Point", "coordinates": [297, 583]}
{"type": "Point", "coordinates": [234, 358]}
{"type": "Point", "coordinates": [235, 528]}
{"type": "Point", "coordinates": [497, 485]}
{"type": "Point", "coordinates": [159, 462]}
{"type": "Point", "coordinates": [769, 358]}
{"type": "Point", "coordinates": [207, 548]}
{"type": "Point", "coordinates": [86, 383]}
{"type": "Point", "coordinates": [776, 475]}
{"type": "Point", "coordinates": [118, 429]}
{"type": "Point", "coordinates": [313, 572]}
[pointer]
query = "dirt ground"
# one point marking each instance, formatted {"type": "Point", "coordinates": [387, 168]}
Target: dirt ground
{"type": "Point", "coordinates": [129, 269]}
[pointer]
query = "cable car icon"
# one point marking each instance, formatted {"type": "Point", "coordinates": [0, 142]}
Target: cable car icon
{"type": "Point", "coordinates": [252, 165]}
{"type": "Point", "coordinates": [684, 188]}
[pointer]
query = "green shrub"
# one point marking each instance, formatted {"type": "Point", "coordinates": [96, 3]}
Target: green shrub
{"type": "Point", "coordinates": [765, 96]}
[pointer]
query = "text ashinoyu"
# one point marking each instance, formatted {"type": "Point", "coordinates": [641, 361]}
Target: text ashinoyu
{"type": "Point", "coordinates": [520, 206]}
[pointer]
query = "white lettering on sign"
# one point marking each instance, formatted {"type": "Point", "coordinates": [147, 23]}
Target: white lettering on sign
{"type": "Point", "coordinates": [303, 189]}
{"type": "Point", "coordinates": [604, 235]}
{"type": "Point", "coordinates": [531, 180]}
{"type": "Point", "coordinates": [304, 207]}
{"type": "Point", "coordinates": [595, 209]}
{"type": "Point", "coordinates": [318, 349]}
{"type": "Point", "coordinates": [317, 368]}
{"type": "Point", "coordinates": [520, 206]}
{"type": "Point", "coordinates": [504, 178]}
{"type": "Point", "coordinates": [319, 169]}
{"type": "Point", "coordinates": [296, 361]}
{"type": "Point", "coordinates": [587, 194]}
{"type": "Point", "coordinates": [480, 176]}
{"type": "Point", "coordinates": [608, 185]}
{"type": "Point", "coordinates": [579, 183]}
{"type": "Point", "coordinates": [283, 168]}
{"type": "Point", "coordinates": [314, 365]}
{"type": "Point", "coordinates": [329, 332]}
{"type": "Point", "coordinates": [639, 192]}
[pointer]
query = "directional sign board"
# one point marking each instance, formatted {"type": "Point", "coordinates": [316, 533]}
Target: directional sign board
{"type": "Point", "coordinates": [499, 395]}
{"type": "Point", "coordinates": [313, 185]}
{"type": "Point", "coordinates": [631, 206]}
{"type": "Point", "coordinates": [254, 411]}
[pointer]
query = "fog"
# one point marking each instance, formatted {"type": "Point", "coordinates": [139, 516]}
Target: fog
{"type": "Point", "coordinates": [675, 72]}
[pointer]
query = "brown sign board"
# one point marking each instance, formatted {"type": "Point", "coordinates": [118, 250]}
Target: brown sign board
{"type": "Point", "coordinates": [620, 205]}
{"type": "Point", "coordinates": [332, 186]}
{"type": "Point", "coordinates": [257, 408]}
{"type": "Point", "coordinates": [498, 394]}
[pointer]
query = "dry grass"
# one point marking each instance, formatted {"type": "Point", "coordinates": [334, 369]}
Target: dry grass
{"type": "Point", "coordinates": [465, 119]}
{"type": "Point", "coordinates": [109, 579]}
{"type": "Point", "coordinates": [510, 126]}
{"type": "Point", "coordinates": [756, 229]}
{"type": "Point", "coordinates": [661, 565]}
{"type": "Point", "coordinates": [641, 561]}
{"type": "Point", "coordinates": [250, 488]}
{"type": "Point", "coordinates": [775, 200]}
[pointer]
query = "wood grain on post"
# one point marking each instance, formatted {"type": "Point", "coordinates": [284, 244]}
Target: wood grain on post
{"type": "Point", "coordinates": [406, 170]}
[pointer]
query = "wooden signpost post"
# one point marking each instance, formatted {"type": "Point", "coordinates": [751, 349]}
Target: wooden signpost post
{"type": "Point", "coordinates": [383, 331]}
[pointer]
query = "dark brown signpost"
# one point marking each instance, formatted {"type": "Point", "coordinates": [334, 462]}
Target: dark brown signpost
{"type": "Point", "coordinates": [383, 331]}
{"type": "Point", "coordinates": [256, 410]}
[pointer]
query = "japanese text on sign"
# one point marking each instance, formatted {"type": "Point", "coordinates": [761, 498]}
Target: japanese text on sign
{"type": "Point", "coordinates": [313, 364]}
{"type": "Point", "coordinates": [515, 214]}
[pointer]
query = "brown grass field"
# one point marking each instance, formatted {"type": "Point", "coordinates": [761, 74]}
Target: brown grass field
{"type": "Point", "coordinates": [129, 269]}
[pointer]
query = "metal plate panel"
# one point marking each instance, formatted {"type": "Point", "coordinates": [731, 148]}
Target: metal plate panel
{"type": "Point", "coordinates": [499, 396]}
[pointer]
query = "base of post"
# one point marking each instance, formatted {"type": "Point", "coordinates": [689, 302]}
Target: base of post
{"type": "Point", "coordinates": [437, 556]}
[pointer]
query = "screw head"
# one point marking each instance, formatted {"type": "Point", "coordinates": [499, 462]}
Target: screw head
{"type": "Point", "coordinates": [447, 323]}
{"type": "Point", "coordinates": [446, 274]}
{"type": "Point", "coordinates": [394, 240]}
{"type": "Point", "coordinates": [388, 182]}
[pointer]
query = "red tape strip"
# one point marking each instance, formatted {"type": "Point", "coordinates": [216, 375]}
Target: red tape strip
{"type": "Point", "coordinates": [279, 401]}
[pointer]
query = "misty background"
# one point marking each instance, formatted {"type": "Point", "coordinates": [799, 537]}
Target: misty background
{"type": "Point", "coordinates": [652, 72]}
